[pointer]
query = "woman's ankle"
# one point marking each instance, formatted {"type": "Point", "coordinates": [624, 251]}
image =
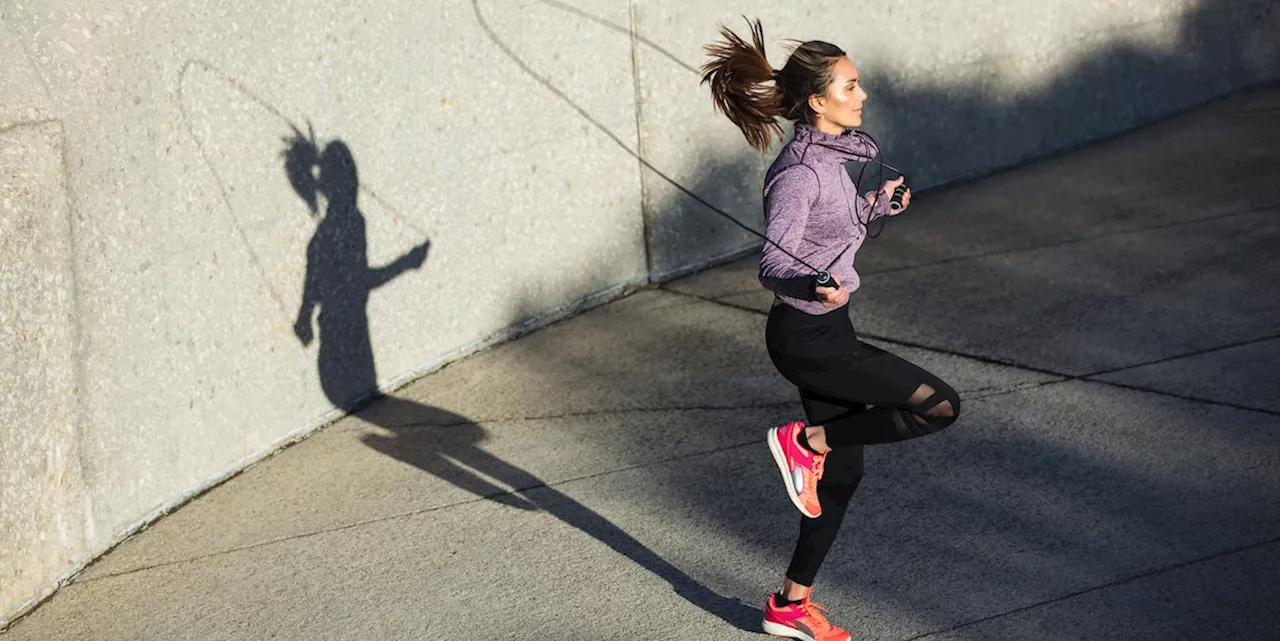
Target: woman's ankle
{"type": "Point", "coordinates": [814, 438]}
{"type": "Point", "coordinates": [793, 592]}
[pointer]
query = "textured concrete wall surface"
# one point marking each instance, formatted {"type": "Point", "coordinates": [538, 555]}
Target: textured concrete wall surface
{"type": "Point", "coordinates": [224, 222]}
{"type": "Point", "coordinates": [42, 494]}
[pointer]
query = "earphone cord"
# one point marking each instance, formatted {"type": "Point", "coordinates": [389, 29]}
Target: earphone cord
{"type": "Point", "coordinates": [858, 221]}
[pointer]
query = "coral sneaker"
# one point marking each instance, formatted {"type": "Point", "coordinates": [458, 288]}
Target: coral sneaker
{"type": "Point", "coordinates": [803, 620]}
{"type": "Point", "coordinates": [801, 469]}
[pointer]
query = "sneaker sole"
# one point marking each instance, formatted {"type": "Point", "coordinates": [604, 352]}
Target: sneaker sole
{"type": "Point", "coordinates": [781, 460]}
{"type": "Point", "coordinates": [779, 630]}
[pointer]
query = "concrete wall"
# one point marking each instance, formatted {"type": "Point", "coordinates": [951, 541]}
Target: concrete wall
{"type": "Point", "coordinates": [156, 253]}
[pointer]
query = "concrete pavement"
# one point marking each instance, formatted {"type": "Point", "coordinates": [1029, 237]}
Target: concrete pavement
{"type": "Point", "coordinates": [1109, 317]}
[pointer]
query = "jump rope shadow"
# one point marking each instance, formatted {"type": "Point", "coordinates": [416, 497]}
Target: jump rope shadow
{"type": "Point", "coordinates": [338, 283]}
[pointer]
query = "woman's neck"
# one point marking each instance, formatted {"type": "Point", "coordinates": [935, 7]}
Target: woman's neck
{"type": "Point", "coordinates": [826, 126]}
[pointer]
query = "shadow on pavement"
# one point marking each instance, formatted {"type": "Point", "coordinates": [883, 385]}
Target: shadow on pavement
{"type": "Point", "coordinates": [445, 445]}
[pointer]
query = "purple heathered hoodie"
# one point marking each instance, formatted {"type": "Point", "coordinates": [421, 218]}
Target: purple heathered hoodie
{"type": "Point", "coordinates": [811, 209]}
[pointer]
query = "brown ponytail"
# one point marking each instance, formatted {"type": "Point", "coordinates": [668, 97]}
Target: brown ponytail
{"type": "Point", "coordinates": [747, 90]}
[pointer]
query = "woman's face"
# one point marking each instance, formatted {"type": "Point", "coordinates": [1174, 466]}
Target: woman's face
{"type": "Point", "coordinates": [841, 105]}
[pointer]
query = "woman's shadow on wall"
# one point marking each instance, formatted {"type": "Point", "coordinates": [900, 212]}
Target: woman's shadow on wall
{"type": "Point", "coordinates": [338, 283]}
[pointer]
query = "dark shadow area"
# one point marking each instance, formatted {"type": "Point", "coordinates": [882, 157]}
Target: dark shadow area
{"type": "Point", "coordinates": [441, 443]}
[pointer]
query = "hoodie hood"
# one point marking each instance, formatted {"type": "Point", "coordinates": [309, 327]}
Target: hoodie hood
{"type": "Point", "coordinates": [848, 146]}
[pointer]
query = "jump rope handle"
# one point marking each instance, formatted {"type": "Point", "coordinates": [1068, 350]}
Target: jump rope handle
{"type": "Point", "coordinates": [895, 203]}
{"type": "Point", "coordinates": [824, 279]}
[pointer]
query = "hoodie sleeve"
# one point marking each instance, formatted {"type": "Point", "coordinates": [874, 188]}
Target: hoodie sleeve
{"type": "Point", "coordinates": [788, 201]}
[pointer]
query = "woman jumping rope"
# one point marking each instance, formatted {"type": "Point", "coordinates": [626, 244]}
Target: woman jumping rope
{"type": "Point", "coordinates": [853, 394]}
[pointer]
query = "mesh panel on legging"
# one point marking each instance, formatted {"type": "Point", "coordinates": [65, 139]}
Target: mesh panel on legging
{"type": "Point", "coordinates": [930, 405]}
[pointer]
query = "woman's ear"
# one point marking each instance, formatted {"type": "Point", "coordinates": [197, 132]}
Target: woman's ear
{"type": "Point", "coordinates": [817, 104]}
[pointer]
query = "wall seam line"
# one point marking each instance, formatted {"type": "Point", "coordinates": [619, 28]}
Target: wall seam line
{"type": "Point", "coordinates": [633, 35]}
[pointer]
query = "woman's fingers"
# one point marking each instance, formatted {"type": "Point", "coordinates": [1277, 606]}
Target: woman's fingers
{"type": "Point", "coordinates": [832, 297]}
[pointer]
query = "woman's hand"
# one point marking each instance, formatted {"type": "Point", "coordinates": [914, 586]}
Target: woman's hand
{"type": "Point", "coordinates": [887, 190]}
{"type": "Point", "coordinates": [832, 297]}
{"type": "Point", "coordinates": [302, 329]}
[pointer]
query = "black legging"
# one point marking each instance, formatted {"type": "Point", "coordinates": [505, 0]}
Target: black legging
{"type": "Point", "coordinates": [862, 395]}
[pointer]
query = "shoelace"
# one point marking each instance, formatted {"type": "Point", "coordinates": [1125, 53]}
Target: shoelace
{"type": "Point", "coordinates": [819, 460]}
{"type": "Point", "coordinates": [814, 611]}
